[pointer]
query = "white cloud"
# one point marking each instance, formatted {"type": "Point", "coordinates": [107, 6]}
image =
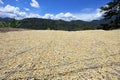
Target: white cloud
{"type": "Point", "coordinates": [15, 12]}
{"type": "Point", "coordinates": [89, 16]}
{"type": "Point", "coordinates": [64, 16]}
{"type": "Point", "coordinates": [34, 4]}
{"type": "Point", "coordinates": [12, 12]}
{"type": "Point", "coordinates": [27, 9]}
{"type": "Point", "coordinates": [9, 9]}
{"type": "Point", "coordinates": [1, 2]}
{"type": "Point", "coordinates": [80, 16]}
{"type": "Point", "coordinates": [33, 15]}
{"type": "Point", "coordinates": [48, 16]}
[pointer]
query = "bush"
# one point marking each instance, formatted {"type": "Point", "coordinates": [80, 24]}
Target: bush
{"type": "Point", "coordinates": [4, 24]}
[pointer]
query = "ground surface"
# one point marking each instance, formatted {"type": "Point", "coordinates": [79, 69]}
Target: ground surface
{"type": "Point", "coordinates": [8, 29]}
{"type": "Point", "coordinates": [60, 55]}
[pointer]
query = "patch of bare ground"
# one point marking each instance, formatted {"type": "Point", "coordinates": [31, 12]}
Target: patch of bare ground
{"type": "Point", "coordinates": [60, 55]}
{"type": "Point", "coordinates": [11, 29]}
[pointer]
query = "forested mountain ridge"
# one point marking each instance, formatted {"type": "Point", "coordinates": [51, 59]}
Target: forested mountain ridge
{"type": "Point", "coordinates": [44, 24]}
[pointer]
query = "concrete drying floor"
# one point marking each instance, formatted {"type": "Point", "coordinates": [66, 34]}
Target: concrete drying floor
{"type": "Point", "coordinates": [60, 55]}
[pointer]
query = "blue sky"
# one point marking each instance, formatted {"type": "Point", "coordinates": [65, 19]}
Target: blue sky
{"type": "Point", "coordinates": [86, 10]}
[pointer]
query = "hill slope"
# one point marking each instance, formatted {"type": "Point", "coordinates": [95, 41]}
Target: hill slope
{"type": "Point", "coordinates": [44, 24]}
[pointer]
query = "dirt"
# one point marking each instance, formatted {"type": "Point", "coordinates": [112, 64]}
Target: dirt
{"type": "Point", "coordinates": [60, 55]}
{"type": "Point", "coordinates": [11, 29]}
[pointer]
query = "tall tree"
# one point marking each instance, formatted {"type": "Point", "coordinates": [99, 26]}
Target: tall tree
{"type": "Point", "coordinates": [15, 23]}
{"type": "Point", "coordinates": [111, 15]}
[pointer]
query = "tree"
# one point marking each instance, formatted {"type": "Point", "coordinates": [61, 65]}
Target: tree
{"type": "Point", "coordinates": [111, 15]}
{"type": "Point", "coordinates": [5, 24]}
{"type": "Point", "coordinates": [15, 23]}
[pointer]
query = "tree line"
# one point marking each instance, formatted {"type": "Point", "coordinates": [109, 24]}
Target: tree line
{"type": "Point", "coordinates": [48, 24]}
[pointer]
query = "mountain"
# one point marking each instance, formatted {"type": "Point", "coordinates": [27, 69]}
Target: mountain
{"type": "Point", "coordinates": [6, 19]}
{"type": "Point", "coordinates": [43, 24]}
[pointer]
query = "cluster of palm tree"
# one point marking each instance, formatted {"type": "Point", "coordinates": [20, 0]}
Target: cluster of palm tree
{"type": "Point", "coordinates": [14, 24]}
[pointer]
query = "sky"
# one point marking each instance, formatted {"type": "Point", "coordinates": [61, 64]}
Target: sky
{"type": "Point", "coordinates": [86, 10]}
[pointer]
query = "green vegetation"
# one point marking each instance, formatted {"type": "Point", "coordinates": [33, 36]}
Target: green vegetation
{"type": "Point", "coordinates": [48, 24]}
{"type": "Point", "coordinates": [4, 24]}
{"type": "Point", "coordinates": [13, 23]}
{"type": "Point", "coordinates": [111, 15]}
